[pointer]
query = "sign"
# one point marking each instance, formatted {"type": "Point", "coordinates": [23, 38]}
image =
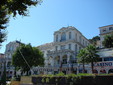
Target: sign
{"type": "Point", "coordinates": [101, 64]}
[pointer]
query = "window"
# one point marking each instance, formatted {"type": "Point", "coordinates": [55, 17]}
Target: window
{"type": "Point", "coordinates": [80, 39]}
{"type": "Point", "coordinates": [69, 35]}
{"type": "Point", "coordinates": [71, 59]}
{"type": "Point", "coordinates": [79, 48]}
{"type": "Point", "coordinates": [110, 28]}
{"type": "Point", "coordinates": [56, 38]}
{"type": "Point", "coordinates": [62, 47]}
{"type": "Point", "coordinates": [104, 30]}
{"type": "Point", "coordinates": [56, 48]}
{"type": "Point", "coordinates": [86, 43]}
{"type": "Point", "coordinates": [100, 59]}
{"type": "Point", "coordinates": [111, 59]}
{"type": "Point", "coordinates": [64, 60]}
{"type": "Point", "coordinates": [83, 41]}
{"type": "Point", "coordinates": [76, 36]}
{"type": "Point", "coordinates": [57, 60]}
{"type": "Point", "coordinates": [70, 46]}
{"type": "Point", "coordinates": [76, 48]}
{"type": "Point", "coordinates": [63, 37]}
{"type": "Point", "coordinates": [106, 59]}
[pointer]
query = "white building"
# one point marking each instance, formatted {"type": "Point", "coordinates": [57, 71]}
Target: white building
{"type": "Point", "coordinates": [61, 54]}
{"type": "Point", "coordinates": [105, 30]}
{"type": "Point", "coordinates": [10, 49]}
{"type": "Point", "coordinates": [105, 64]}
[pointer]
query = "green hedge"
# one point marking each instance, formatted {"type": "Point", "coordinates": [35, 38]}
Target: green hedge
{"type": "Point", "coordinates": [72, 79]}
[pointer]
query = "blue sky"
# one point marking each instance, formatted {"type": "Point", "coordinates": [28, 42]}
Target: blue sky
{"type": "Point", "coordinates": [38, 28]}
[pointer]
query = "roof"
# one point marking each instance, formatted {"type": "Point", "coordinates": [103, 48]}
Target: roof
{"type": "Point", "coordinates": [106, 26]}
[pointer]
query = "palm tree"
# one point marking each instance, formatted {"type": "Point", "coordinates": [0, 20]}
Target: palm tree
{"type": "Point", "coordinates": [81, 57]}
{"type": "Point", "coordinates": [108, 41]}
{"type": "Point", "coordinates": [92, 55]}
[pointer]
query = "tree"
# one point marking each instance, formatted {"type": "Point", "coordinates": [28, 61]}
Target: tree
{"type": "Point", "coordinates": [81, 58]}
{"type": "Point", "coordinates": [108, 41]}
{"type": "Point", "coordinates": [27, 57]}
{"type": "Point", "coordinates": [18, 6]}
{"type": "Point", "coordinates": [3, 77]}
{"type": "Point", "coordinates": [2, 36]}
{"type": "Point", "coordinates": [94, 40]}
{"type": "Point", "coordinates": [14, 7]}
{"type": "Point", "coordinates": [3, 24]}
{"type": "Point", "coordinates": [4, 18]}
{"type": "Point", "coordinates": [92, 55]}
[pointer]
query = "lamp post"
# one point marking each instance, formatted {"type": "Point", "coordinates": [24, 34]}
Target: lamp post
{"type": "Point", "coordinates": [78, 67]}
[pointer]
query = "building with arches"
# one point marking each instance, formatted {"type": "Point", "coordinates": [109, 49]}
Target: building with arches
{"type": "Point", "coordinates": [105, 64]}
{"type": "Point", "coordinates": [60, 55]}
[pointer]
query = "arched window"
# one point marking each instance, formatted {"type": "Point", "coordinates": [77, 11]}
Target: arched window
{"type": "Point", "coordinates": [63, 37]}
{"type": "Point", "coordinates": [110, 71]}
{"type": "Point", "coordinates": [56, 38]}
{"type": "Point", "coordinates": [95, 71]}
{"type": "Point", "coordinates": [71, 59]}
{"type": "Point", "coordinates": [69, 35]}
{"type": "Point", "coordinates": [102, 71]}
{"type": "Point", "coordinates": [64, 60]}
{"type": "Point", "coordinates": [57, 60]}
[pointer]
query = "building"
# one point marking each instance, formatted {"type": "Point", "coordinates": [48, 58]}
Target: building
{"type": "Point", "coordinates": [10, 49]}
{"type": "Point", "coordinates": [105, 64]}
{"type": "Point", "coordinates": [105, 30]}
{"type": "Point", "coordinates": [60, 55]}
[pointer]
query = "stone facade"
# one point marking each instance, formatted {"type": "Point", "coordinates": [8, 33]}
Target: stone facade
{"type": "Point", "coordinates": [61, 54]}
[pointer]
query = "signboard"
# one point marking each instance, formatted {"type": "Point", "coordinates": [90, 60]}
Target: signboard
{"type": "Point", "coordinates": [103, 64]}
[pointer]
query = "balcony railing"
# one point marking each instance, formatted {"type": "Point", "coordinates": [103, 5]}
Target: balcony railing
{"type": "Point", "coordinates": [60, 51]}
{"type": "Point", "coordinates": [66, 65]}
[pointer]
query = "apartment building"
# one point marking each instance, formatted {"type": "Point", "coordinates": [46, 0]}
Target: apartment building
{"type": "Point", "coordinates": [105, 30]}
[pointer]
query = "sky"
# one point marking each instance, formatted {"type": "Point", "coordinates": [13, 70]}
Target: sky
{"type": "Point", "coordinates": [43, 20]}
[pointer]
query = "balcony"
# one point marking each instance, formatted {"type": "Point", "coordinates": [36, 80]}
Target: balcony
{"type": "Point", "coordinates": [66, 65]}
{"type": "Point", "coordinates": [60, 51]}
